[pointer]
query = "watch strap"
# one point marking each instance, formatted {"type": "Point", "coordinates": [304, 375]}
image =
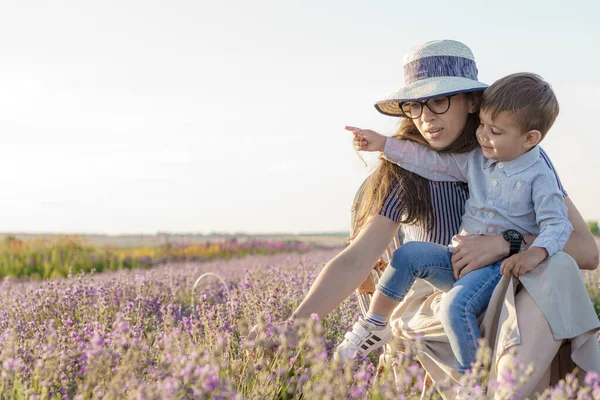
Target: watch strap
{"type": "Point", "coordinates": [515, 247]}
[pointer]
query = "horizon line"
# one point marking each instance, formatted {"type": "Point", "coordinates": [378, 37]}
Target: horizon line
{"type": "Point", "coordinates": [171, 233]}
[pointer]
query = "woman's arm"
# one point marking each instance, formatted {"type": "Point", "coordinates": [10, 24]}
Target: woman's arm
{"type": "Point", "coordinates": [346, 271]}
{"type": "Point", "coordinates": [474, 252]}
{"type": "Point", "coordinates": [581, 244]}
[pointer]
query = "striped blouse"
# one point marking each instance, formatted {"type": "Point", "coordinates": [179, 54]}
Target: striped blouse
{"type": "Point", "coordinates": [448, 202]}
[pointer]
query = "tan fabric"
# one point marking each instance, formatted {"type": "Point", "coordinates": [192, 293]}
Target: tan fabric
{"type": "Point", "coordinates": [536, 331]}
{"type": "Point", "coordinates": [556, 287]}
{"type": "Point", "coordinates": [559, 291]}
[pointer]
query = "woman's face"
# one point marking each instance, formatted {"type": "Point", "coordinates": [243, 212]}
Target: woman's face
{"type": "Point", "coordinates": [441, 130]}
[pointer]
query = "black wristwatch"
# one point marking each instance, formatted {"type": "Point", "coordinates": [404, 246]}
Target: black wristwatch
{"type": "Point", "coordinates": [515, 239]}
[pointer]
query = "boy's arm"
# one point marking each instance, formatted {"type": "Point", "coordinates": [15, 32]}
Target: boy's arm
{"type": "Point", "coordinates": [412, 156]}
{"type": "Point", "coordinates": [551, 214]}
{"type": "Point", "coordinates": [427, 162]}
{"type": "Point", "coordinates": [555, 228]}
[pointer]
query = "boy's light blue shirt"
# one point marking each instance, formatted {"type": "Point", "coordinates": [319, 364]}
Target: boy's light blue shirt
{"type": "Point", "coordinates": [520, 194]}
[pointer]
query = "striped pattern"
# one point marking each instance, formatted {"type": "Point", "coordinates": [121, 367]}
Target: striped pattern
{"type": "Point", "coordinates": [430, 67]}
{"type": "Point", "coordinates": [448, 201]}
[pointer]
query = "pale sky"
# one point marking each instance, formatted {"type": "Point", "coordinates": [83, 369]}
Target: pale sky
{"type": "Point", "coordinates": [197, 116]}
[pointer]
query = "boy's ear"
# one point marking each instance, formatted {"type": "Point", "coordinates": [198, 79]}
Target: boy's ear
{"type": "Point", "coordinates": [532, 138]}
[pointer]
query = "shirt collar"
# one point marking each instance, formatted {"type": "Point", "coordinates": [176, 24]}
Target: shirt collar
{"type": "Point", "coordinates": [519, 164]}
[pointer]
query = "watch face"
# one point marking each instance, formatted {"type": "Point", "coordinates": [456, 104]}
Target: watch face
{"type": "Point", "coordinates": [513, 234]}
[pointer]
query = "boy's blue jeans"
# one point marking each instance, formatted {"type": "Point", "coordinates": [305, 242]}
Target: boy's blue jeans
{"type": "Point", "coordinates": [464, 301]}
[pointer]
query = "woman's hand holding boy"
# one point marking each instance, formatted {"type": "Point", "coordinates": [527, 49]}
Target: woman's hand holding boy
{"type": "Point", "coordinates": [477, 251]}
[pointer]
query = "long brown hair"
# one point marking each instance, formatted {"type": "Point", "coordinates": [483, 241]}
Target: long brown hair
{"type": "Point", "coordinates": [416, 208]}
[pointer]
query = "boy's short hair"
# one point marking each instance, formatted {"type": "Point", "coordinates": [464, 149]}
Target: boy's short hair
{"type": "Point", "coordinates": [527, 95]}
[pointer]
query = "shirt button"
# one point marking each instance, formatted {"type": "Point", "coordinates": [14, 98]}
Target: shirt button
{"type": "Point", "coordinates": [490, 229]}
{"type": "Point", "coordinates": [494, 183]}
{"type": "Point", "coordinates": [491, 214]}
{"type": "Point", "coordinates": [518, 185]}
{"type": "Point", "coordinates": [500, 165]}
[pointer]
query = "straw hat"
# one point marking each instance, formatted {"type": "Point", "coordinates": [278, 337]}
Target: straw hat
{"type": "Point", "coordinates": [438, 68]}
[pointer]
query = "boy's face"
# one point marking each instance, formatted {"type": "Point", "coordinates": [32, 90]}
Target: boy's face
{"type": "Point", "coordinates": [502, 138]}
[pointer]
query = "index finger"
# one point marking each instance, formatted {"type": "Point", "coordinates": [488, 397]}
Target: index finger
{"type": "Point", "coordinates": [352, 128]}
{"type": "Point", "coordinates": [454, 258]}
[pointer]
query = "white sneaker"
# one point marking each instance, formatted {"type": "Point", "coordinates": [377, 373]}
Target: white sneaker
{"type": "Point", "coordinates": [362, 339]}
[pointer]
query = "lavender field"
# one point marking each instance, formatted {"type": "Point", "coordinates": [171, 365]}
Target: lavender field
{"type": "Point", "coordinates": [146, 334]}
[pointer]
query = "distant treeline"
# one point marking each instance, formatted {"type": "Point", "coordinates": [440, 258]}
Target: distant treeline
{"type": "Point", "coordinates": [248, 235]}
{"type": "Point", "coordinates": [64, 255]}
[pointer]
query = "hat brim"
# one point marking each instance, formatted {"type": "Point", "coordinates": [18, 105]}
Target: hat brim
{"type": "Point", "coordinates": [426, 89]}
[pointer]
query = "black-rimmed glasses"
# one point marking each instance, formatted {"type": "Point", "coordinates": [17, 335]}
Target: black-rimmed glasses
{"type": "Point", "coordinates": [414, 109]}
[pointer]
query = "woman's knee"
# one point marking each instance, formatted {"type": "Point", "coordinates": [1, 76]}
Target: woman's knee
{"type": "Point", "coordinates": [537, 344]}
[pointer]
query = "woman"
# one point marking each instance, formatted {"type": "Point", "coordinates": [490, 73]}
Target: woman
{"type": "Point", "coordinates": [431, 211]}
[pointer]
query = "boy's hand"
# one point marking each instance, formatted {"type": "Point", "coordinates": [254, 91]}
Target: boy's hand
{"type": "Point", "coordinates": [366, 139]}
{"type": "Point", "coordinates": [522, 263]}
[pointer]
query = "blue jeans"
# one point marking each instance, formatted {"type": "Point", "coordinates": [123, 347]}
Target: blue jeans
{"type": "Point", "coordinates": [464, 301]}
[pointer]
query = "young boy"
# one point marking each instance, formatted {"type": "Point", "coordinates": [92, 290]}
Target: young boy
{"type": "Point", "coordinates": [511, 191]}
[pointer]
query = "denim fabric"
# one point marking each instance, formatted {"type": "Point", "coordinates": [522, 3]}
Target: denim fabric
{"type": "Point", "coordinates": [464, 301]}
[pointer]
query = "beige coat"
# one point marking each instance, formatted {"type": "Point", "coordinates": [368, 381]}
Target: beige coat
{"type": "Point", "coordinates": [558, 289]}
{"type": "Point", "coordinates": [556, 286]}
